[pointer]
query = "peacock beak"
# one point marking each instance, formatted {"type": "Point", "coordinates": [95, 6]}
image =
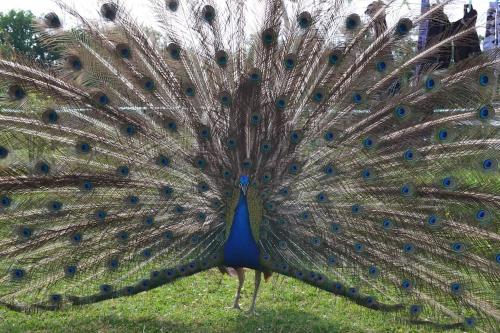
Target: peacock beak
{"type": "Point", "coordinates": [244, 189]}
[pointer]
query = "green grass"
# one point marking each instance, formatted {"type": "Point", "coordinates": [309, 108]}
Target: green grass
{"type": "Point", "coordinates": [201, 304]}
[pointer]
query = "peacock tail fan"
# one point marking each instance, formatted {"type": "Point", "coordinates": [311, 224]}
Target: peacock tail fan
{"type": "Point", "coordinates": [365, 178]}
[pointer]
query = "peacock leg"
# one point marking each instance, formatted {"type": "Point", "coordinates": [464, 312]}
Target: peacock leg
{"type": "Point", "coordinates": [241, 280]}
{"type": "Point", "coordinates": [256, 290]}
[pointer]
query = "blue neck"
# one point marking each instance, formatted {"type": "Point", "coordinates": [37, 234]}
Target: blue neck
{"type": "Point", "coordinates": [241, 249]}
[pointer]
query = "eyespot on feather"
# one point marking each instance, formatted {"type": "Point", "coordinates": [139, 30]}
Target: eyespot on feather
{"type": "Point", "coordinates": [335, 57]}
{"type": "Point", "coordinates": [123, 51]}
{"type": "Point", "coordinates": [172, 5]}
{"type": "Point", "coordinates": [353, 22]}
{"type": "Point", "coordinates": [109, 11]}
{"type": "Point", "coordinates": [221, 58]}
{"type": "Point", "coordinates": [290, 61]}
{"type": "Point", "coordinates": [304, 20]}
{"type": "Point", "coordinates": [74, 63]}
{"type": "Point", "coordinates": [50, 116]}
{"type": "Point", "coordinates": [208, 14]}
{"type": "Point", "coordinates": [269, 37]}
{"type": "Point", "coordinates": [403, 27]}
{"type": "Point", "coordinates": [174, 50]}
{"type": "Point", "coordinates": [16, 93]}
{"type": "Point", "coordinates": [225, 98]}
{"type": "Point", "coordinates": [52, 20]}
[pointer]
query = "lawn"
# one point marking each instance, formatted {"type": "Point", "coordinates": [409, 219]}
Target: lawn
{"type": "Point", "coordinates": [201, 304]}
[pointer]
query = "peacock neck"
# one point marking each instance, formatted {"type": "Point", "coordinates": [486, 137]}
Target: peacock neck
{"type": "Point", "coordinates": [240, 249]}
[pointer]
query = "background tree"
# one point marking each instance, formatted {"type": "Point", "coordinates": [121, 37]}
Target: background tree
{"type": "Point", "coordinates": [17, 33]}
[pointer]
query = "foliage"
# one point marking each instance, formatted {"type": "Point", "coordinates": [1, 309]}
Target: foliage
{"type": "Point", "coordinates": [18, 33]}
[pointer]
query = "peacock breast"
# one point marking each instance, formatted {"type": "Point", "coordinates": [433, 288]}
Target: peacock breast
{"type": "Point", "coordinates": [240, 248]}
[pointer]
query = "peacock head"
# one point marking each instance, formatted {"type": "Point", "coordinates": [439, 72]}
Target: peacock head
{"type": "Point", "coordinates": [244, 182]}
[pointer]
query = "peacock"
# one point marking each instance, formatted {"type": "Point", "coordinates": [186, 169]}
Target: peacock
{"type": "Point", "coordinates": [293, 138]}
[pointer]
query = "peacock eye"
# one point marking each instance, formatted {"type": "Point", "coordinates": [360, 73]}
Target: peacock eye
{"type": "Point", "coordinates": [381, 66]}
{"type": "Point", "coordinates": [149, 220]}
{"type": "Point", "coordinates": [484, 80]}
{"type": "Point", "coordinates": [123, 170]}
{"type": "Point", "coordinates": [203, 187]}
{"type": "Point", "coordinates": [172, 5]}
{"type": "Point", "coordinates": [225, 99]}
{"type": "Point", "coordinates": [167, 191]}
{"type": "Point", "coordinates": [290, 61]}
{"type": "Point", "coordinates": [269, 37]}
{"type": "Point", "coordinates": [404, 26]}
{"type": "Point", "coordinates": [285, 191]}
{"type": "Point", "coordinates": [357, 98]}
{"type": "Point", "coordinates": [387, 224]}
{"type": "Point", "coordinates": [50, 116]}
{"type": "Point", "coordinates": [26, 232]}
{"type": "Point", "coordinates": [149, 85]}
{"type": "Point", "coordinates": [130, 130]}
{"type": "Point", "coordinates": [105, 289]}
{"type": "Point", "coordinates": [322, 197]}
{"type": "Point", "coordinates": [409, 155]}
{"type": "Point", "coordinates": [295, 137]}
{"type": "Point", "coordinates": [123, 51]}
{"type": "Point", "coordinates": [42, 168]}
{"type": "Point", "coordinates": [401, 112]}
{"type": "Point", "coordinates": [75, 63]}
{"type": "Point", "coordinates": [52, 20]}
{"type": "Point", "coordinates": [204, 133]}
{"type": "Point", "coordinates": [163, 161]}
{"type": "Point", "coordinates": [318, 95]}
{"type": "Point", "coordinates": [174, 50]}
{"type": "Point", "coordinates": [255, 76]}
{"type": "Point", "coordinates": [443, 135]}
{"type": "Point", "coordinates": [335, 57]}
{"type": "Point", "coordinates": [352, 22]}
{"type": "Point", "coordinates": [208, 13]}
{"type": "Point", "coordinates": [18, 273]}
{"type": "Point", "coordinates": [281, 102]}
{"type": "Point", "coordinates": [265, 148]}
{"type": "Point", "coordinates": [201, 163]}
{"type": "Point", "coordinates": [190, 91]}
{"type": "Point", "coordinates": [431, 83]}
{"type": "Point", "coordinates": [16, 93]}
{"type": "Point", "coordinates": [304, 20]}
{"type": "Point", "coordinates": [255, 119]}
{"type": "Point", "coordinates": [109, 11]}
{"type": "Point", "coordinates": [368, 143]}
{"type": "Point", "coordinates": [133, 200]}
{"type": "Point", "coordinates": [5, 201]}
{"type": "Point", "coordinates": [76, 238]}
{"type": "Point", "coordinates": [4, 152]}
{"type": "Point", "coordinates": [222, 60]}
